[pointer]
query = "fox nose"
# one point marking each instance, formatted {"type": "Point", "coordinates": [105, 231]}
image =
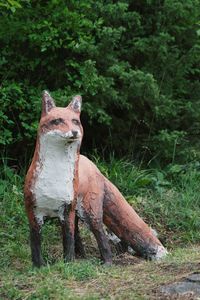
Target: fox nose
{"type": "Point", "coordinates": [75, 133]}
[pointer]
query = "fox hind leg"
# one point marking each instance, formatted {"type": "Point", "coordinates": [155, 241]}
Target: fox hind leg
{"type": "Point", "coordinates": [79, 247]}
{"type": "Point", "coordinates": [93, 211]}
{"type": "Point", "coordinates": [102, 240]}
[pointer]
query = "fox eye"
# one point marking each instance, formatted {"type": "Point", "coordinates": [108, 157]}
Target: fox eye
{"type": "Point", "coordinates": [57, 121]}
{"type": "Point", "coordinates": [76, 122]}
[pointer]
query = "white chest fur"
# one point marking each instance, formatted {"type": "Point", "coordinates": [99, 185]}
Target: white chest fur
{"type": "Point", "coordinates": [54, 188]}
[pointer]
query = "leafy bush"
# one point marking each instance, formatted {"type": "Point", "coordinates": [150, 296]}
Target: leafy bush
{"type": "Point", "coordinates": [135, 63]}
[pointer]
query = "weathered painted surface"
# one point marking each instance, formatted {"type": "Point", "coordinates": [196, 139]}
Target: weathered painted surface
{"type": "Point", "coordinates": [52, 180]}
{"type": "Point", "coordinates": [53, 188]}
{"type": "Point", "coordinates": [103, 203]}
{"type": "Point", "coordinates": [60, 181]}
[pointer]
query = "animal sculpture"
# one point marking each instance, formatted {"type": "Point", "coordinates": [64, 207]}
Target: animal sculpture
{"type": "Point", "coordinates": [60, 182]}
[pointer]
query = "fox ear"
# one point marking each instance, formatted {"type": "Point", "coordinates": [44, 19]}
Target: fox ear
{"type": "Point", "coordinates": [75, 104]}
{"type": "Point", "coordinates": [47, 103]}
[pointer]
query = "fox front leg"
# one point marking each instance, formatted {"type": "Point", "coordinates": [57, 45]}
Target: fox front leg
{"type": "Point", "coordinates": [35, 240]}
{"type": "Point", "coordinates": [67, 225]}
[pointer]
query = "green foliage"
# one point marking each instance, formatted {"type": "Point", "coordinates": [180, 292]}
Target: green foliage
{"type": "Point", "coordinates": [176, 209]}
{"type": "Point", "coordinates": [80, 271]}
{"type": "Point", "coordinates": [136, 65]}
{"type": "Point", "coordinates": [171, 144]}
{"type": "Point", "coordinates": [19, 119]}
{"type": "Point", "coordinates": [51, 282]}
{"type": "Point", "coordinates": [13, 232]}
{"type": "Point", "coordinates": [129, 178]}
{"type": "Point", "coordinates": [11, 5]}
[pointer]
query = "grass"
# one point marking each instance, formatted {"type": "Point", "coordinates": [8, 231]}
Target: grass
{"type": "Point", "coordinates": [167, 201]}
{"type": "Point", "coordinates": [90, 280]}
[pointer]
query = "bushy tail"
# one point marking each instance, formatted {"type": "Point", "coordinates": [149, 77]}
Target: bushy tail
{"type": "Point", "coordinates": [122, 219]}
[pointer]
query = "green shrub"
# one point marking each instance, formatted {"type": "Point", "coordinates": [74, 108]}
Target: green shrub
{"type": "Point", "coordinates": [135, 63]}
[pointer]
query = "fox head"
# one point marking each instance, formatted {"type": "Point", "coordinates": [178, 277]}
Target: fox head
{"type": "Point", "coordinates": [63, 124]}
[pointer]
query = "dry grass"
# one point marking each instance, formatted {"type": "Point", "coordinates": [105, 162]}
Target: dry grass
{"type": "Point", "coordinates": [128, 278]}
{"type": "Point", "coordinates": [137, 279]}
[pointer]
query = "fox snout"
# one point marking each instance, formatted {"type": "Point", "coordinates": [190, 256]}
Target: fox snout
{"type": "Point", "coordinates": [70, 136]}
{"type": "Point", "coordinates": [75, 133]}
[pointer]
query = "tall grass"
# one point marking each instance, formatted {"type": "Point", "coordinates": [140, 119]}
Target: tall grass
{"type": "Point", "coordinates": [13, 225]}
{"type": "Point", "coordinates": [129, 178]}
{"type": "Point", "coordinates": [177, 208]}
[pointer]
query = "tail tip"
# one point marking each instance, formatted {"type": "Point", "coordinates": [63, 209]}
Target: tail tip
{"type": "Point", "coordinates": [160, 254]}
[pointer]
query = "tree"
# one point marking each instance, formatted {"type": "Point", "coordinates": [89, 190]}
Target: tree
{"type": "Point", "coordinates": [136, 64]}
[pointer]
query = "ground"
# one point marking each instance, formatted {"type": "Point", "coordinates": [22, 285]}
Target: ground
{"type": "Point", "coordinates": [173, 212]}
{"type": "Point", "coordinates": [129, 277]}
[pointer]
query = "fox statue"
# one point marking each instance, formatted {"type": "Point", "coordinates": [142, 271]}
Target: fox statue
{"type": "Point", "coordinates": [60, 182]}
{"type": "Point", "coordinates": [52, 180]}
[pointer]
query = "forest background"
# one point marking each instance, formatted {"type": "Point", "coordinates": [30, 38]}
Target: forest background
{"type": "Point", "coordinates": [136, 64]}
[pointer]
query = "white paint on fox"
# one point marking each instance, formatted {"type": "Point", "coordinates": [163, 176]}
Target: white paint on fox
{"type": "Point", "coordinates": [53, 188]}
{"type": "Point", "coordinates": [161, 253]}
{"type": "Point", "coordinates": [112, 237]}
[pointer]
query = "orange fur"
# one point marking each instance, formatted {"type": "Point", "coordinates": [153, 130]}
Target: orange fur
{"type": "Point", "coordinates": [101, 200]}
